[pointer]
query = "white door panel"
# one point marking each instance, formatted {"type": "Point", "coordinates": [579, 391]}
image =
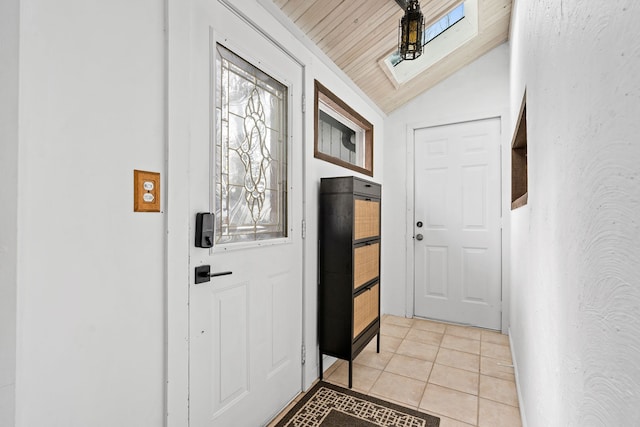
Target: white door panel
{"type": "Point", "coordinates": [457, 198]}
{"type": "Point", "coordinates": [246, 327]}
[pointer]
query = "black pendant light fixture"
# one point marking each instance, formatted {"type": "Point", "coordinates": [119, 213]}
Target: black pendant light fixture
{"type": "Point", "coordinates": [411, 31]}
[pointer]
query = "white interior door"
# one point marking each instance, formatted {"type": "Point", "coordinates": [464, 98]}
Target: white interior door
{"type": "Point", "coordinates": [457, 225]}
{"type": "Point", "coordinates": [246, 166]}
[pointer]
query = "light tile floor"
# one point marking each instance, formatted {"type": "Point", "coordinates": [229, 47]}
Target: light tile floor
{"type": "Point", "coordinates": [463, 375]}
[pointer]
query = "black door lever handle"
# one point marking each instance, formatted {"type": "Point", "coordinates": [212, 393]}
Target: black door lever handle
{"type": "Point", "coordinates": [221, 273]}
{"type": "Point", "coordinates": [203, 274]}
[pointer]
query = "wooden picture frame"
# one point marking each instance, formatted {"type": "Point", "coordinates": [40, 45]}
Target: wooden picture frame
{"type": "Point", "coordinates": [332, 116]}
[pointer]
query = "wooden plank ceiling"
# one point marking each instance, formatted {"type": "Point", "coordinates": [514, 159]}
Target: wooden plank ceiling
{"type": "Point", "coordinates": [356, 34]}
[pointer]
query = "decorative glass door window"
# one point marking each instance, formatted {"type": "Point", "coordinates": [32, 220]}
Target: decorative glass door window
{"type": "Point", "coordinates": [250, 152]}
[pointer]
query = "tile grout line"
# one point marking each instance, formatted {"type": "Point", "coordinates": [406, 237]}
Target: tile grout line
{"type": "Point", "coordinates": [426, 383]}
{"type": "Point", "coordinates": [479, 378]}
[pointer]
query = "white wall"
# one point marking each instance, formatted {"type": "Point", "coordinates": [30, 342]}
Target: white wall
{"type": "Point", "coordinates": [576, 246]}
{"type": "Point", "coordinates": [90, 330]}
{"type": "Point", "coordinates": [479, 90]}
{"type": "Point", "coordinates": [9, 18]}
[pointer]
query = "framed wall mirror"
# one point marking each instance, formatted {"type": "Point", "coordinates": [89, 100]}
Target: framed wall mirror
{"type": "Point", "coordinates": [342, 136]}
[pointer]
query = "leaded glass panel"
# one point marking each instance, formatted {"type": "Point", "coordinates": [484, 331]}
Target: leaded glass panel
{"type": "Point", "coordinates": [250, 152]}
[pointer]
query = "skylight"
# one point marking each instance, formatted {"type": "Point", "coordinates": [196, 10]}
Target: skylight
{"type": "Point", "coordinates": [439, 39]}
{"type": "Point", "coordinates": [446, 22]}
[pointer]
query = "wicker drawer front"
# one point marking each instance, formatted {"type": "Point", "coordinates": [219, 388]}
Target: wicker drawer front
{"type": "Point", "coordinates": [365, 309]}
{"type": "Point", "coordinates": [366, 264]}
{"type": "Point", "coordinates": [367, 219]}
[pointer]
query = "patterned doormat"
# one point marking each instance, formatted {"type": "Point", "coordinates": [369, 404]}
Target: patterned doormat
{"type": "Point", "coordinates": [328, 405]}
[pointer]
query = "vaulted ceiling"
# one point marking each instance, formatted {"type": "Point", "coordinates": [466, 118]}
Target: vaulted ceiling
{"type": "Point", "coordinates": [358, 34]}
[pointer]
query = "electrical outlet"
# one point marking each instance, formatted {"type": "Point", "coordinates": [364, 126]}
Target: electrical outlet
{"type": "Point", "coordinates": [146, 191]}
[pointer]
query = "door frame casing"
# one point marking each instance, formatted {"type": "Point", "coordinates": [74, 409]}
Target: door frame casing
{"type": "Point", "coordinates": [505, 183]}
{"type": "Point", "coordinates": [176, 262]}
{"type": "Point", "coordinates": [177, 218]}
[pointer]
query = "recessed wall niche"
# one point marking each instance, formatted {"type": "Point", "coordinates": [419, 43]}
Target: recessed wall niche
{"type": "Point", "coordinates": [519, 185]}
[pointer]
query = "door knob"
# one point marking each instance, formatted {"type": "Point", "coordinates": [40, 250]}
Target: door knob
{"type": "Point", "coordinates": [419, 236]}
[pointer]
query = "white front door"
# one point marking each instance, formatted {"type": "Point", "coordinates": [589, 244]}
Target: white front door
{"type": "Point", "coordinates": [457, 223]}
{"type": "Point", "coordinates": [246, 166]}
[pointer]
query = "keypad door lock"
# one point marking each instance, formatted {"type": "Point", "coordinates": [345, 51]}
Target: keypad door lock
{"type": "Point", "coordinates": [204, 230]}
